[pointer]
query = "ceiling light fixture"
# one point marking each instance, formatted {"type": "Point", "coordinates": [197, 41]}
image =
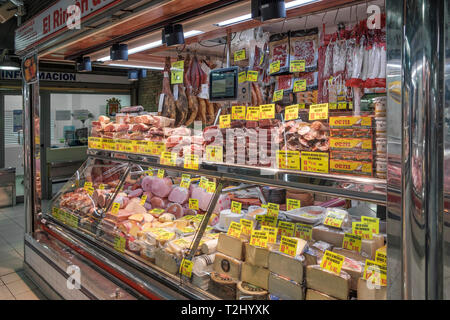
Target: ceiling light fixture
{"type": "Point", "coordinates": [134, 66]}
{"type": "Point", "coordinates": [297, 3]}
{"type": "Point", "coordinates": [265, 10]}
{"type": "Point", "coordinates": [6, 63]}
{"type": "Point", "coordinates": [119, 52]}
{"type": "Point", "coordinates": [235, 20]}
{"type": "Point", "coordinates": [83, 64]}
{"type": "Point", "coordinates": [173, 35]}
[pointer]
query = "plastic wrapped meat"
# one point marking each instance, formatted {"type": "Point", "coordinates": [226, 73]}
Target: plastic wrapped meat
{"type": "Point", "coordinates": [202, 196]}
{"type": "Point", "coordinates": [161, 187]}
{"type": "Point", "coordinates": [135, 207]}
{"type": "Point", "coordinates": [135, 193]}
{"type": "Point", "coordinates": [223, 203]}
{"type": "Point", "coordinates": [158, 202]}
{"type": "Point", "coordinates": [179, 195]}
{"type": "Point", "coordinates": [147, 183]}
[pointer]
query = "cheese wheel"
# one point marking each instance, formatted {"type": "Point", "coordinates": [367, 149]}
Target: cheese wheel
{"type": "Point", "coordinates": [247, 291]}
{"type": "Point", "coordinates": [223, 286]}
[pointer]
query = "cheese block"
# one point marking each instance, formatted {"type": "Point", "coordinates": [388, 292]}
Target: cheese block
{"type": "Point", "coordinates": [201, 280]}
{"type": "Point", "coordinates": [247, 291]}
{"type": "Point", "coordinates": [166, 261]}
{"type": "Point", "coordinates": [227, 265]}
{"type": "Point", "coordinates": [222, 286]}
{"type": "Point", "coordinates": [209, 246]}
{"type": "Point", "coordinates": [316, 295]}
{"type": "Point", "coordinates": [314, 253]}
{"type": "Point", "coordinates": [355, 269]}
{"type": "Point", "coordinates": [231, 246]}
{"type": "Point", "coordinates": [330, 235]}
{"type": "Point", "coordinates": [370, 247]}
{"type": "Point", "coordinates": [327, 282]}
{"type": "Point", "coordinates": [286, 266]}
{"type": "Point", "coordinates": [360, 257]}
{"type": "Point", "coordinates": [372, 293]}
{"type": "Point", "coordinates": [284, 288]}
{"type": "Point", "coordinates": [258, 276]}
{"type": "Point", "coordinates": [256, 256]}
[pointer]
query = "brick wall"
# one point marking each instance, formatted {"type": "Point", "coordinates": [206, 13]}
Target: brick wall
{"type": "Point", "coordinates": [149, 90]}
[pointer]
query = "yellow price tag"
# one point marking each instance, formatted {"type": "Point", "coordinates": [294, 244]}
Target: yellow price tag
{"type": "Point", "coordinates": [236, 207]}
{"type": "Point", "coordinates": [191, 161]}
{"type": "Point", "coordinates": [318, 112]}
{"type": "Point", "coordinates": [115, 208]}
{"type": "Point", "coordinates": [315, 162]}
{"type": "Point", "coordinates": [177, 72]}
{"type": "Point", "coordinates": [332, 262]}
{"type": "Point", "coordinates": [240, 55]}
{"type": "Point", "coordinates": [334, 218]}
{"type": "Point", "coordinates": [238, 112]}
{"type": "Point", "coordinates": [342, 105]}
{"type": "Point", "coordinates": [143, 199]}
{"type": "Point", "coordinates": [157, 212]}
{"type": "Point", "coordinates": [380, 256]}
{"type": "Point", "coordinates": [193, 204]}
{"type": "Point", "coordinates": [278, 95]}
{"type": "Point", "coordinates": [211, 188]}
{"type": "Point", "coordinates": [274, 67]}
{"type": "Point", "coordinates": [168, 158]}
{"type": "Point", "coordinates": [242, 77]}
{"type": "Point", "coordinates": [297, 66]}
{"type": "Point", "coordinates": [161, 173]}
{"type": "Point", "coordinates": [270, 221]}
{"type": "Point", "coordinates": [186, 268]}
{"type": "Point", "coordinates": [352, 242]}
{"type": "Point", "coordinates": [87, 185]}
{"type": "Point", "coordinates": [267, 111]}
{"type": "Point", "coordinates": [247, 226]}
{"type": "Point", "coordinates": [185, 181]}
{"type": "Point", "coordinates": [90, 191]}
{"type": "Point", "coordinates": [292, 204]}
{"type": "Point", "coordinates": [149, 172]}
{"type": "Point", "coordinates": [362, 229]}
{"type": "Point", "coordinates": [288, 159]}
{"type": "Point", "coordinates": [225, 121]}
{"type": "Point", "coordinates": [203, 183]}
{"type": "Point", "coordinates": [303, 231]}
{"type": "Point", "coordinates": [94, 143]}
{"type": "Point", "coordinates": [273, 209]}
{"type": "Point", "coordinates": [157, 148]}
{"type": "Point", "coordinates": [101, 186]}
{"type": "Point", "coordinates": [259, 238]}
{"type": "Point", "coordinates": [350, 105]}
{"type": "Point", "coordinates": [252, 76]}
{"type": "Point", "coordinates": [214, 153]}
{"type": "Point", "coordinates": [119, 244]}
{"type": "Point", "coordinates": [375, 272]}
{"type": "Point", "coordinates": [300, 85]}
{"type": "Point", "coordinates": [252, 114]}
{"type": "Point", "coordinates": [291, 112]}
{"type": "Point", "coordinates": [374, 223]}
{"type": "Point", "coordinates": [235, 229]}
{"type": "Point", "coordinates": [272, 233]}
{"type": "Point", "coordinates": [332, 106]}
{"type": "Point", "coordinates": [286, 228]}
{"type": "Point", "coordinates": [289, 245]}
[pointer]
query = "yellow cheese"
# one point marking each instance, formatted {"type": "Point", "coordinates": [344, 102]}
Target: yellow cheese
{"type": "Point", "coordinates": [286, 266]}
{"type": "Point", "coordinates": [231, 246]}
{"type": "Point", "coordinates": [372, 293]}
{"type": "Point", "coordinates": [327, 282]}
{"type": "Point", "coordinates": [370, 247]}
{"type": "Point", "coordinates": [360, 257]}
{"type": "Point", "coordinates": [331, 235]}
{"type": "Point", "coordinates": [316, 295]}
{"type": "Point", "coordinates": [257, 256]}
{"type": "Point", "coordinates": [168, 262]}
{"type": "Point", "coordinates": [285, 289]}
{"type": "Point", "coordinates": [257, 276]}
{"type": "Point", "coordinates": [230, 266]}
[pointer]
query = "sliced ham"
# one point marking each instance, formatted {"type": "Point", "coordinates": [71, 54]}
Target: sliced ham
{"type": "Point", "coordinates": [175, 209]}
{"type": "Point", "coordinates": [179, 195]}
{"type": "Point", "coordinates": [161, 187]}
{"type": "Point", "coordinates": [147, 183]}
{"type": "Point", "coordinates": [158, 202]}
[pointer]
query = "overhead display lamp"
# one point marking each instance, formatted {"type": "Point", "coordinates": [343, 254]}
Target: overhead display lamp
{"type": "Point", "coordinates": [265, 10]}
{"type": "Point", "coordinates": [119, 52]}
{"type": "Point", "coordinates": [6, 63]}
{"type": "Point", "coordinates": [83, 64]}
{"type": "Point", "coordinates": [135, 74]}
{"type": "Point", "coordinates": [173, 35]}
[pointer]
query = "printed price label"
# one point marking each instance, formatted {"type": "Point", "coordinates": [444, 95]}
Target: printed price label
{"type": "Point", "coordinates": [239, 55]}
{"type": "Point", "coordinates": [143, 200]}
{"type": "Point", "coordinates": [289, 246]}
{"type": "Point", "coordinates": [278, 95]}
{"type": "Point", "coordinates": [273, 209]}
{"type": "Point", "coordinates": [362, 229]}
{"type": "Point", "coordinates": [297, 66]}
{"type": "Point", "coordinates": [332, 106]}
{"type": "Point", "coordinates": [214, 153]}
{"type": "Point", "coordinates": [186, 268]}
{"type": "Point", "coordinates": [168, 158]}
{"type": "Point", "coordinates": [252, 76]}
{"type": "Point", "coordinates": [291, 112]}
{"type": "Point", "coordinates": [115, 208]}
{"type": "Point", "coordinates": [157, 212]}
{"type": "Point", "coordinates": [272, 233]}
{"type": "Point", "coordinates": [149, 172]}
{"type": "Point", "coordinates": [185, 181]}
{"type": "Point", "coordinates": [375, 272]}
{"type": "Point", "coordinates": [380, 256]}
{"type": "Point", "coordinates": [259, 238]}
{"type": "Point", "coordinates": [315, 162]}
{"type": "Point", "coordinates": [300, 85]}
{"type": "Point", "coordinates": [288, 159]}
{"type": "Point", "coordinates": [342, 105]}
{"type": "Point", "coordinates": [270, 221]}
{"type": "Point", "coordinates": [235, 229]}
{"type": "Point", "coordinates": [90, 191]}
{"type": "Point", "coordinates": [350, 105]}
{"type": "Point", "coordinates": [352, 242]}
{"type": "Point", "coordinates": [193, 204]}
{"type": "Point", "coordinates": [191, 161]}
{"type": "Point", "coordinates": [211, 188]}
{"type": "Point", "coordinates": [87, 185]}
{"type": "Point", "coordinates": [203, 183]}
{"type": "Point", "coordinates": [303, 231]}
{"type": "Point", "coordinates": [238, 112]}
{"type": "Point", "coordinates": [161, 173]}
{"type": "Point", "coordinates": [177, 72]}
{"type": "Point", "coordinates": [236, 207]}
{"type": "Point", "coordinates": [225, 121]}
{"type": "Point", "coordinates": [274, 67]}
{"type": "Point", "coordinates": [119, 244]}
{"type": "Point", "coordinates": [292, 204]}
{"type": "Point", "coordinates": [267, 111]}
{"type": "Point", "coordinates": [157, 148]}
{"type": "Point", "coordinates": [334, 218]}
{"type": "Point", "coordinates": [318, 112]}
{"type": "Point", "coordinates": [252, 114]}
{"type": "Point", "coordinates": [332, 262]}
{"type": "Point", "coordinates": [247, 226]}
{"type": "Point", "coordinates": [101, 186]}
{"type": "Point", "coordinates": [242, 77]}
{"type": "Point", "coordinates": [374, 223]}
{"type": "Point", "coordinates": [302, 106]}
{"type": "Point", "coordinates": [94, 143]}
{"type": "Point", "coordinates": [286, 228]}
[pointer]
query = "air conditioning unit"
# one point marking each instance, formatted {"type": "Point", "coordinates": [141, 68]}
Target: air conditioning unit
{"type": "Point", "coordinates": [7, 11]}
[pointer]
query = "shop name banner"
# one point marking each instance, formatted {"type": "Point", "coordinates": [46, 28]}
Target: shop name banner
{"type": "Point", "coordinates": [65, 14]}
{"type": "Point", "coordinates": [65, 77]}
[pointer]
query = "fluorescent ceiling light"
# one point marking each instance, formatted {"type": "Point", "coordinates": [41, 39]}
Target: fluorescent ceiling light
{"type": "Point", "coordinates": [145, 47]}
{"type": "Point", "coordinates": [134, 66]}
{"type": "Point", "coordinates": [9, 68]}
{"type": "Point", "coordinates": [297, 3]}
{"type": "Point", "coordinates": [192, 33]}
{"type": "Point", "coordinates": [234, 20]}
{"type": "Point", "coordinates": [104, 59]}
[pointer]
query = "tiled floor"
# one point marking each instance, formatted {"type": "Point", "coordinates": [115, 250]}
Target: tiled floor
{"type": "Point", "coordinates": [14, 284]}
